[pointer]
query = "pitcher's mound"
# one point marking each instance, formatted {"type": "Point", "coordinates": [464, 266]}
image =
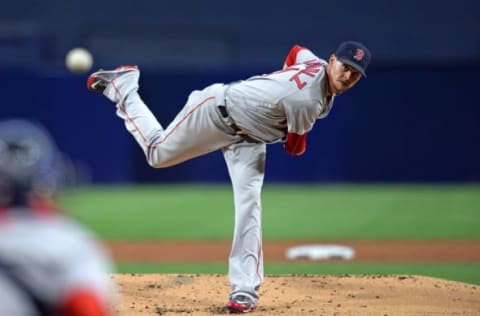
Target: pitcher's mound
{"type": "Point", "coordinates": [185, 294]}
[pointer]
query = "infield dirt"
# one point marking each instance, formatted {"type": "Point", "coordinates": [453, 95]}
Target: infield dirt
{"type": "Point", "coordinates": [349, 295]}
{"type": "Point", "coordinates": [153, 294]}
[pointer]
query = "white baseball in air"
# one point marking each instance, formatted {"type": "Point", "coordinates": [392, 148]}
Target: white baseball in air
{"type": "Point", "coordinates": [79, 60]}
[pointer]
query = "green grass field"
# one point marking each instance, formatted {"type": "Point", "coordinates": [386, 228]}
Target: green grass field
{"type": "Point", "coordinates": [336, 212]}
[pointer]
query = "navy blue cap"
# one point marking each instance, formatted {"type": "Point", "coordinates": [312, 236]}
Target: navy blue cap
{"type": "Point", "coordinates": [354, 54]}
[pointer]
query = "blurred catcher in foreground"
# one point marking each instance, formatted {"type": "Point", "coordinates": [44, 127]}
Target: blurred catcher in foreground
{"type": "Point", "coordinates": [49, 265]}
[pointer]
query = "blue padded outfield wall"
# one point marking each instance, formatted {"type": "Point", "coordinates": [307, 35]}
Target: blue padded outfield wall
{"type": "Point", "coordinates": [415, 118]}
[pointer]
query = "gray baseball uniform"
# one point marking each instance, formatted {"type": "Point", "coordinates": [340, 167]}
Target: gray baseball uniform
{"type": "Point", "coordinates": [49, 265]}
{"type": "Point", "coordinates": [239, 118]}
{"type": "Point", "coordinates": [45, 258]}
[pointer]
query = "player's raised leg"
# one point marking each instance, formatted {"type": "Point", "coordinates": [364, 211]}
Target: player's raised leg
{"type": "Point", "coordinates": [196, 130]}
{"type": "Point", "coordinates": [246, 166]}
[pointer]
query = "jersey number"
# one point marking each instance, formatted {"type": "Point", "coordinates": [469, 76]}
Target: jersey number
{"type": "Point", "coordinates": [312, 67]}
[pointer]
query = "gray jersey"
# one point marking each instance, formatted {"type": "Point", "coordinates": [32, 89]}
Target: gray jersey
{"type": "Point", "coordinates": [290, 100]}
{"type": "Point", "coordinates": [50, 256]}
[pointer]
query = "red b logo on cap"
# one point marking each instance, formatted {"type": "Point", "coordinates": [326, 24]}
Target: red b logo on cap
{"type": "Point", "coordinates": [359, 54]}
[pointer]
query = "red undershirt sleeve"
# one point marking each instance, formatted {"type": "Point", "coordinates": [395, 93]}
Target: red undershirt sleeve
{"type": "Point", "coordinates": [295, 144]}
{"type": "Point", "coordinates": [292, 55]}
{"type": "Point", "coordinates": [82, 303]}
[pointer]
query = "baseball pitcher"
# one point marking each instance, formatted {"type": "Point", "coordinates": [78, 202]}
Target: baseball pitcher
{"type": "Point", "coordinates": [240, 118]}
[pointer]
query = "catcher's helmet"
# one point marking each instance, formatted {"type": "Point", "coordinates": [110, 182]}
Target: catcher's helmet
{"type": "Point", "coordinates": [30, 162]}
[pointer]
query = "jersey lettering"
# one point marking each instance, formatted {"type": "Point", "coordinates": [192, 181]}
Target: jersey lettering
{"type": "Point", "coordinates": [312, 67]}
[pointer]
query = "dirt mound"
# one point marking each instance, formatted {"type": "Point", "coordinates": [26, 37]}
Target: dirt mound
{"type": "Point", "coordinates": [185, 294]}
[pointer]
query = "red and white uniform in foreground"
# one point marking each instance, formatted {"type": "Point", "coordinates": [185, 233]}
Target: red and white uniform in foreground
{"type": "Point", "coordinates": [239, 118]}
{"type": "Point", "coordinates": [49, 265]}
